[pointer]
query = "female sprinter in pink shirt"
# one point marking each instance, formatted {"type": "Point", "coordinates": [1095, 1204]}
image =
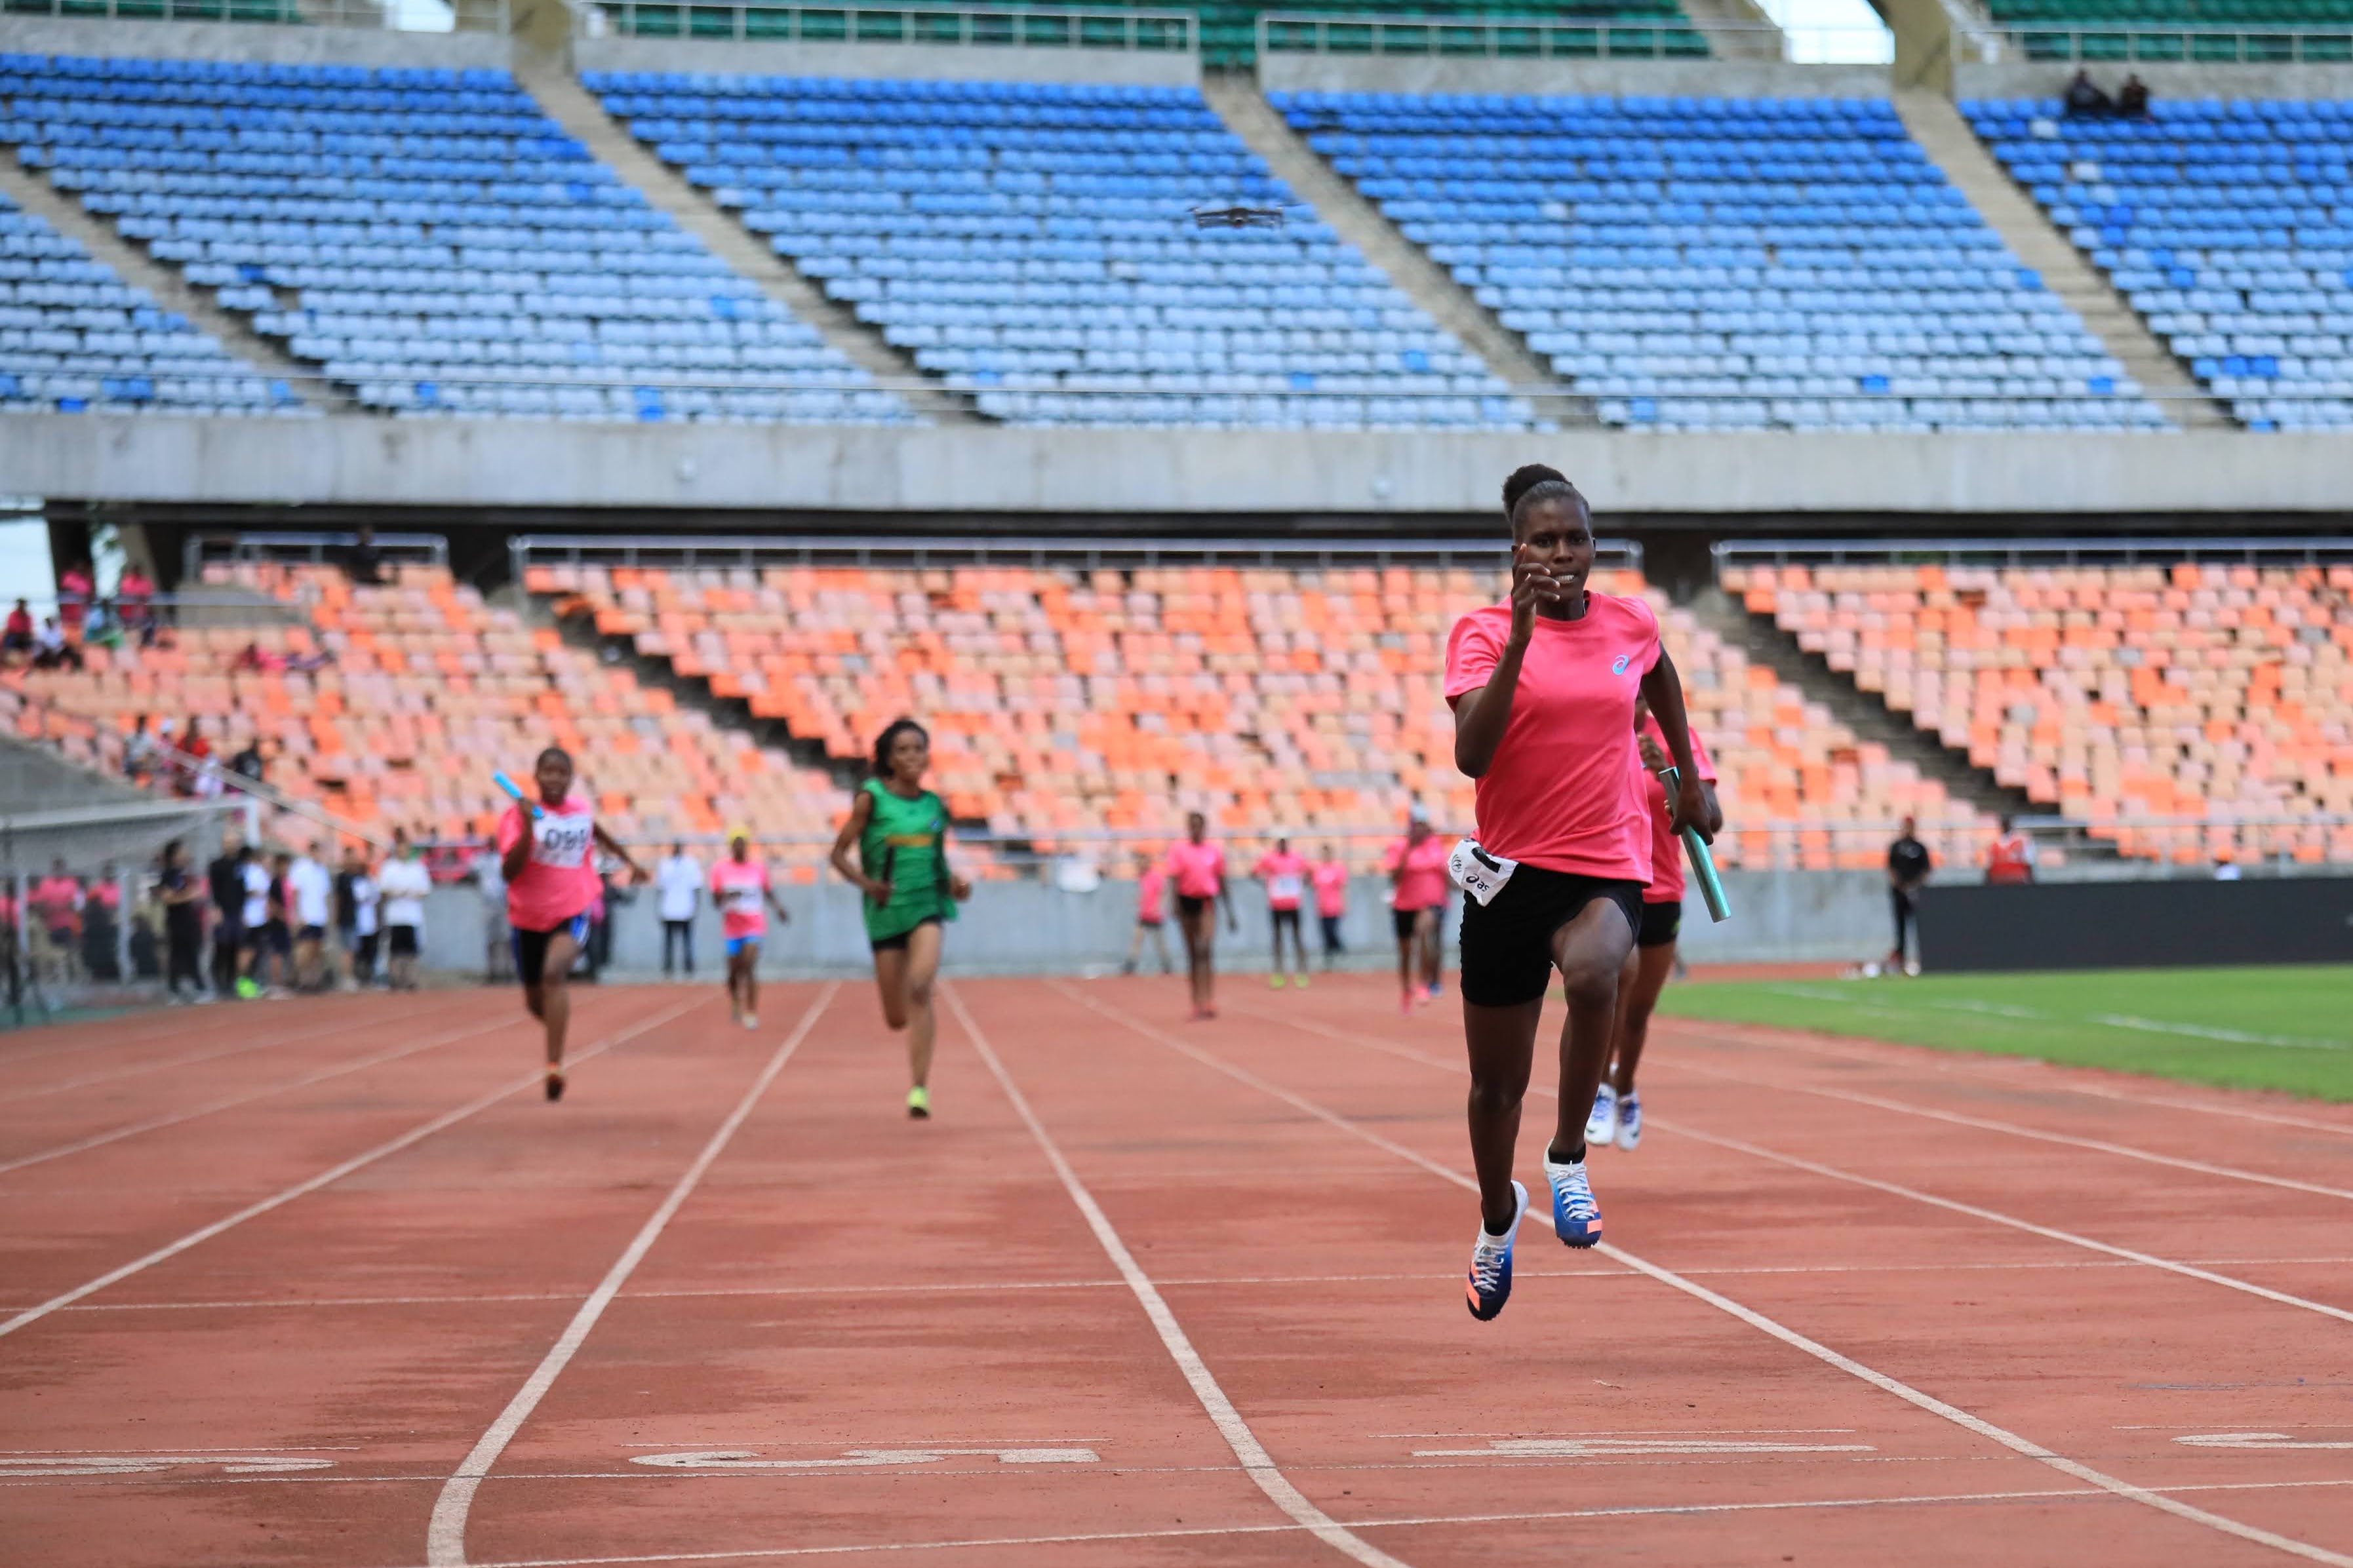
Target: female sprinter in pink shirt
{"type": "Point", "coordinates": [546, 858]}
{"type": "Point", "coordinates": [1417, 869]}
{"type": "Point", "coordinates": [1616, 1110]}
{"type": "Point", "coordinates": [1284, 871]}
{"type": "Point", "coordinates": [1199, 869]}
{"type": "Point", "coordinates": [739, 886]}
{"type": "Point", "coordinates": [1543, 688]}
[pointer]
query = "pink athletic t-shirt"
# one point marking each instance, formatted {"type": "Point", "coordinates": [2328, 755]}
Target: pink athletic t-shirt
{"type": "Point", "coordinates": [736, 887]}
{"type": "Point", "coordinates": [1331, 880]}
{"type": "Point", "coordinates": [1286, 878]}
{"type": "Point", "coordinates": [1666, 845]}
{"type": "Point", "coordinates": [1423, 884]}
{"type": "Point", "coordinates": [1199, 869]}
{"type": "Point", "coordinates": [1558, 792]}
{"type": "Point", "coordinates": [1152, 895]}
{"type": "Point", "coordinates": [559, 879]}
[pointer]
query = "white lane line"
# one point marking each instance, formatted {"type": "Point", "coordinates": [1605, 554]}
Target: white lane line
{"type": "Point", "coordinates": [337, 1025]}
{"type": "Point", "coordinates": [2011, 1129]}
{"type": "Point", "coordinates": [1763, 1324]}
{"type": "Point", "coordinates": [329, 1176]}
{"type": "Point", "coordinates": [157, 1123]}
{"type": "Point", "coordinates": [1992, 1217]}
{"type": "Point", "coordinates": [445, 1539]}
{"type": "Point", "coordinates": [1403, 1521]}
{"type": "Point", "coordinates": [2015, 1072]}
{"type": "Point", "coordinates": [1255, 1461]}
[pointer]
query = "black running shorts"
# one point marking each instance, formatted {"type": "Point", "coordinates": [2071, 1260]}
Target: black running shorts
{"type": "Point", "coordinates": [1507, 944]}
{"type": "Point", "coordinates": [1661, 923]}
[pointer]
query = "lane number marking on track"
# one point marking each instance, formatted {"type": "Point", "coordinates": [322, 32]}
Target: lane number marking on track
{"type": "Point", "coordinates": [19, 1466]}
{"type": "Point", "coordinates": [2255, 1442]}
{"type": "Point", "coordinates": [860, 1458]}
{"type": "Point", "coordinates": [1629, 1447]}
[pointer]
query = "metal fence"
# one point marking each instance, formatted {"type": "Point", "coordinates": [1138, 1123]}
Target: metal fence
{"type": "Point", "coordinates": [393, 16]}
{"type": "Point", "coordinates": [989, 27]}
{"type": "Point", "coordinates": [2163, 44]}
{"type": "Point", "coordinates": [1506, 37]}
{"type": "Point", "coordinates": [203, 550]}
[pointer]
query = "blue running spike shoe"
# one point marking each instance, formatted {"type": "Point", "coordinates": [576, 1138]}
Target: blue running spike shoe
{"type": "Point", "coordinates": [1490, 1262]}
{"type": "Point", "coordinates": [1576, 1217]}
{"type": "Point", "coordinates": [1601, 1126]}
{"type": "Point", "coordinates": [1630, 1120]}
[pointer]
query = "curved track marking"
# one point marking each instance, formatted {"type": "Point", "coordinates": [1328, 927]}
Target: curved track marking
{"type": "Point", "coordinates": [1988, 1066]}
{"type": "Point", "coordinates": [157, 1123]}
{"type": "Point", "coordinates": [2016, 1443]}
{"type": "Point", "coordinates": [329, 1176]}
{"type": "Point", "coordinates": [1255, 1461]}
{"type": "Point", "coordinates": [2011, 1129]}
{"type": "Point", "coordinates": [445, 1540]}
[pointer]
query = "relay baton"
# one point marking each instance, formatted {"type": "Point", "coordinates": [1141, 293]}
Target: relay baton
{"type": "Point", "coordinates": [531, 807]}
{"type": "Point", "coordinates": [1710, 886]}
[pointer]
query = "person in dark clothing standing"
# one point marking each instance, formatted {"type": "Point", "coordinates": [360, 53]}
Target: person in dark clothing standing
{"type": "Point", "coordinates": [225, 879]}
{"type": "Point", "coordinates": [1908, 865]}
{"type": "Point", "coordinates": [184, 921]}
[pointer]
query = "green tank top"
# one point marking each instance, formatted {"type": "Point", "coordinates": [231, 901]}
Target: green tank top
{"type": "Point", "coordinates": [904, 844]}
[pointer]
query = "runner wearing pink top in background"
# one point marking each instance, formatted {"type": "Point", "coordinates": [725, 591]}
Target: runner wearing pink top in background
{"type": "Point", "coordinates": [739, 886]}
{"type": "Point", "coordinates": [1331, 880]}
{"type": "Point", "coordinates": [549, 862]}
{"type": "Point", "coordinates": [1199, 869]}
{"type": "Point", "coordinates": [1417, 869]}
{"type": "Point", "coordinates": [1151, 912]}
{"type": "Point", "coordinates": [1543, 688]}
{"type": "Point", "coordinates": [1616, 1110]}
{"type": "Point", "coordinates": [1285, 872]}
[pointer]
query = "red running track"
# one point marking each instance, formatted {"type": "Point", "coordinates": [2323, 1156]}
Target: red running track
{"type": "Point", "coordinates": [328, 1283]}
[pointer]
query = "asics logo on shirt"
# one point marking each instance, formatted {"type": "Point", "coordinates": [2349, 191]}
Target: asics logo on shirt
{"type": "Point", "coordinates": [1618, 665]}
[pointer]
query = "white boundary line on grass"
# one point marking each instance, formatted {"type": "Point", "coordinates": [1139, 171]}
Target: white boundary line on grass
{"type": "Point", "coordinates": [329, 1176]}
{"type": "Point", "coordinates": [157, 1123]}
{"type": "Point", "coordinates": [445, 1539]}
{"type": "Point", "coordinates": [1255, 1461]}
{"type": "Point", "coordinates": [1758, 1320]}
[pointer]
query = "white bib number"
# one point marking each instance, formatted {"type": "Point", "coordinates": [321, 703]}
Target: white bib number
{"type": "Point", "coordinates": [562, 841]}
{"type": "Point", "coordinates": [1478, 873]}
{"type": "Point", "coordinates": [1286, 888]}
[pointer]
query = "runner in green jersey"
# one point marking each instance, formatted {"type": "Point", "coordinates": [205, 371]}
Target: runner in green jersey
{"type": "Point", "coordinates": [899, 830]}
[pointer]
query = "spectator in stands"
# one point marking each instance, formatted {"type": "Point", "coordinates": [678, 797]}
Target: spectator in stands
{"type": "Point", "coordinates": [248, 764]}
{"type": "Point", "coordinates": [138, 752]}
{"type": "Point", "coordinates": [17, 641]}
{"type": "Point", "coordinates": [2010, 856]}
{"type": "Point", "coordinates": [311, 902]}
{"type": "Point", "coordinates": [134, 606]}
{"type": "Point", "coordinates": [405, 883]}
{"type": "Point", "coordinates": [225, 879]}
{"type": "Point", "coordinates": [490, 880]}
{"type": "Point", "coordinates": [678, 890]}
{"type": "Point", "coordinates": [364, 562]}
{"type": "Point", "coordinates": [1909, 865]}
{"type": "Point", "coordinates": [75, 589]}
{"type": "Point", "coordinates": [52, 649]}
{"type": "Point", "coordinates": [357, 918]}
{"type": "Point", "coordinates": [184, 924]}
{"type": "Point", "coordinates": [2085, 100]}
{"type": "Point", "coordinates": [2132, 99]}
{"type": "Point", "coordinates": [196, 768]}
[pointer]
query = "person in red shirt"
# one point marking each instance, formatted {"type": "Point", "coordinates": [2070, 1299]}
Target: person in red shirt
{"type": "Point", "coordinates": [551, 886]}
{"type": "Point", "coordinates": [75, 589]}
{"type": "Point", "coordinates": [2009, 858]}
{"type": "Point", "coordinates": [1617, 1115]}
{"type": "Point", "coordinates": [1417, 867]}
{"type": "Point", "coordinates": [1543, 688]}
{"type": "Point", "coordinates": [1283, 871]}
{"type": "Point", "coordinates": [16, 642]}
{"type": "Point", "coordinates": [1331, 880]}
{"type": "Point", "coordinates": [1151, 913]}
{"type": "Point", "coordinates": [1199, 869]}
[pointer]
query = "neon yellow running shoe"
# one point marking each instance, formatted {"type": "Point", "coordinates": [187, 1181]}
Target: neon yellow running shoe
{"type": "Point", "coordinates": [1300, 981]}
{"type": "Point", "coordinates": [919, 1103]}
{"type": "Point", "coordinates": [1275, 981]}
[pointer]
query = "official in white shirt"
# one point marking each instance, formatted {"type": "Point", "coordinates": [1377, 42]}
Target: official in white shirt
{"type": "Point", "coordinates": [678, 889]}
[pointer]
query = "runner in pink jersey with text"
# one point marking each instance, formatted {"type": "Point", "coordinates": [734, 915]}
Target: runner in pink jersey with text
{"type": "Point", "coordinates": [741, 889]}
{"type": "Point", "coordinates": [1283, 871]}
{"type": "Point", "coordinates": [1199, 869]}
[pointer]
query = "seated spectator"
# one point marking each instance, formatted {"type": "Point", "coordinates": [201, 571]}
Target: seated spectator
{"type": "Point", "coordinates": [196, 763]}
{"type": "Point", "coordinates": [134, 604]}
{"type": "Point", "coordinates": [364, 562]}
{"type": "Point", "coordinates": [248, 764]}
{"type": "Point", "coordinates": [2085, 100]}
{"type": "Point", "coordinates": [75, 589]}
{"type": "Point", "coordinates": [2132, 99]}
{"type": "Point", "coordinates": [138, 752]}
{"type": "Point", "coordinates": [52, 649]}
{"type": "Point", "coordinates": [17, 641]}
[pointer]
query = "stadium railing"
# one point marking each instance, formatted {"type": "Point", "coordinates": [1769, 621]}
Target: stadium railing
{"type": "Point", "coordinates": [1354, 35]}
{"type": "Point", "coordinates": [466, 16]}
{"type": "Point", "coordinates": [816, 22]}
{"type": "Point", "coordinates": [203, 550]}
{"type": "Point", "coordinates": [2159, 43]}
